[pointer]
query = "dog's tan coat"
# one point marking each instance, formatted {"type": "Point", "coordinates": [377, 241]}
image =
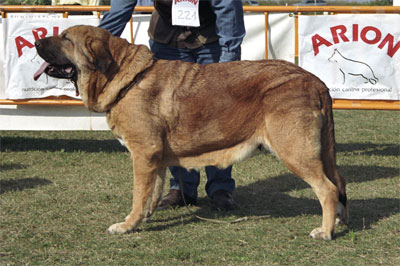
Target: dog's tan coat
{"type": "Point", "coordinates": [191, 115]}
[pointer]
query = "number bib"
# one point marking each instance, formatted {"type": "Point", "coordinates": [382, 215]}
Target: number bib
{"type": "Point", "coordinates": [185, 13]}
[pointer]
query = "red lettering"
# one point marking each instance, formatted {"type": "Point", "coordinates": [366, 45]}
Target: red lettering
{"type": "Point", "coordinates": [317, 41]}
{"type": "Point", "coordinates": [339, 31]}
{"type": "Point", "coordinates": [355, 32]}
{"type": "Point", "coordinates": [389, 39]}
{"type": "Point", "coordinates": [368, 34]}
{"type": "Point", "coordinates": [55, 31]}
{"type": "Point", "coordinates": [375, 40]}
{"type": "Point", "coordinates": [21, 43]}
{"type": "Point", "coordinates": [190, 1]}
{"type": "Point", "coordinates": [39, 33]}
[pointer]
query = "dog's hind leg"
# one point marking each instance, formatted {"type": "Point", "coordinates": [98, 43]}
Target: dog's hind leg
{"type": "Point", "coordinates": [327, 194]}
{"type": "Point", "coordinates": [297, 142]}
{"type": "Point", "coordinates": [146, 178]}
{"type": "Point", "coordinates": [311, 171]}
{"type": "Point", "coordinates": [328, 156]}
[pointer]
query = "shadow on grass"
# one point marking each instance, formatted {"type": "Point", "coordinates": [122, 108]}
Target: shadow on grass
{"type": "Point", "coordinates": [11, 166]}
{"type": "Point", "coordinates": [89, 145]}
{"type": "Point", "coordinates": [16, 144]}
{"type": "Point", "coordinates": [391, 149]}
{"type": "Point", "coordinates": [22, 184]}
{"type": "Point", "coordinates": [269, 198]}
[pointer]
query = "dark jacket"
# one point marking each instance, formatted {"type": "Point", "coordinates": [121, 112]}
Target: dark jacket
{"type": "Point", "coordinates": [161, 29]}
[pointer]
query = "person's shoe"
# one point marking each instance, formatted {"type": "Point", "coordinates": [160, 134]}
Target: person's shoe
{"type": "Point", "coordinates": [174, 199]}
{"type": "Point", "coordinates": [222, 200]}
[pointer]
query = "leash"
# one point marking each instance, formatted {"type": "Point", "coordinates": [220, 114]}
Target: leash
{"type": "Point", "coordinates": [216, 221]}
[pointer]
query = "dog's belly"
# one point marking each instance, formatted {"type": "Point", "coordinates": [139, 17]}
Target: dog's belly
{"type": "Point", "coordinates": [221, 158]}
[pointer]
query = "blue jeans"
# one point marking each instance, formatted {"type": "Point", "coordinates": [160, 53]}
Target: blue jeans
{"type": "Point", "coordinates": [217, 179]}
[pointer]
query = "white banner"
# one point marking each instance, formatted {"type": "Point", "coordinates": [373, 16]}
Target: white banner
{"type": "Point", "coordinates": [357, 56]}
{"type": "Point", "coordinates": [21, 60]}
{"type": "Point", "coordinates": [280, 37]}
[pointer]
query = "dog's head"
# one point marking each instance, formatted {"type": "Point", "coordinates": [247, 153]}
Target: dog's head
{"type": "Point", "coordinates": [99, 64]}
{"type": "Point", "coordinates": [76, 54]}
{"type": "Point", "coordinates": [77, 50]}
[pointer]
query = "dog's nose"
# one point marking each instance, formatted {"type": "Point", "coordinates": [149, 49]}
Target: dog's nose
{"type": "Point", "coordinates": [37, 44]}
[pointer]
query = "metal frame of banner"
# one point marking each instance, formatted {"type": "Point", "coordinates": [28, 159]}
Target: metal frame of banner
{"type": "Point", "coordinates": [295, 10]}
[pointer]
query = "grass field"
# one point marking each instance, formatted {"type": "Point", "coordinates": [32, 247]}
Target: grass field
{"type": "Point", "coordinates": [59, 191]}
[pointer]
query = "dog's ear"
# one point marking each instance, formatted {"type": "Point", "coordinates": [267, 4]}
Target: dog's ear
{"type": "Point", "coordinates": [101, 57]}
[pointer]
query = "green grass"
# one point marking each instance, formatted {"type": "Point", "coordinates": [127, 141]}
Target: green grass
{"type": "Point", "coordinates": [59, 191]}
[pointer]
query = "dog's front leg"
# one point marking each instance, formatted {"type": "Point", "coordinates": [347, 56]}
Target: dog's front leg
{"type": "Point", "coordinates": [157, 192]}
{"type": "Point", "coordinates": [146, 172]}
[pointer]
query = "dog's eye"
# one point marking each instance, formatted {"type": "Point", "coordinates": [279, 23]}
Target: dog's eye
{"type": "Point", "coordinates": [64, 37]}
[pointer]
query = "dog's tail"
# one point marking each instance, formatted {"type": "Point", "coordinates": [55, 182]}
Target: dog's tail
{"type": "Point", "coordinates": [328, 154]}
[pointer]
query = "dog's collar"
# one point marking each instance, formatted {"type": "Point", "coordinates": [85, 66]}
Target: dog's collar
{"type": "Point", "coordinates": [124, 91]}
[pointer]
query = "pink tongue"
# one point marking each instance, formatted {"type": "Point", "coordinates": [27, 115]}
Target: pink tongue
{"type": "Point", "coordinates": [68, 70]}
{"type": "Point", "coordinates": [40, 70]}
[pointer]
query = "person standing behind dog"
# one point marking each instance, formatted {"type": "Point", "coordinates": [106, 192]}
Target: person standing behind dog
{"type": "Point", "coordinates": [204, 32]}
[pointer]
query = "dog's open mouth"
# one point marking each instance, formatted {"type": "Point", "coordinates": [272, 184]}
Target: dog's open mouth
{"type": "Point", "coordinates": [58, 71]}
{"type": "Point", "coordinates": [61, 72]}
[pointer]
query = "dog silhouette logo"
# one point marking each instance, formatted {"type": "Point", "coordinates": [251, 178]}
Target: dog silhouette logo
{"type": "Point", "coordinates": [352, 68]}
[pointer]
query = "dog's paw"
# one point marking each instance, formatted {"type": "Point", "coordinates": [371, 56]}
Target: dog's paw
{"type": "Point", "coordinates": [318, 233]}
{"type": "Point", "coordinates": [118, 228]}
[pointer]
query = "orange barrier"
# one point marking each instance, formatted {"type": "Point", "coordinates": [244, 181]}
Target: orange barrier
{"type": "Point", "coordinates": [296, 10]}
